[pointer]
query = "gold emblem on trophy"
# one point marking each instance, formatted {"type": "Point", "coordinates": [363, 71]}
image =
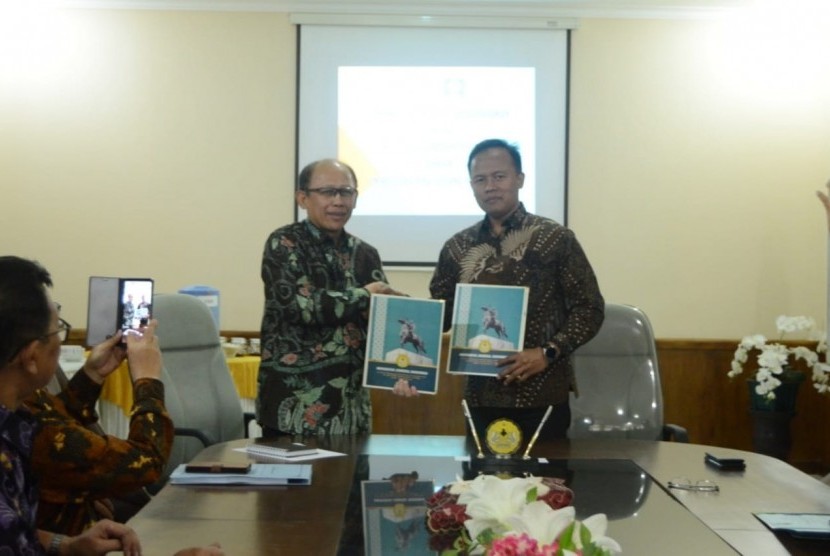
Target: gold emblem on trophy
{"type": "Point", "coordinates": [503, 437]}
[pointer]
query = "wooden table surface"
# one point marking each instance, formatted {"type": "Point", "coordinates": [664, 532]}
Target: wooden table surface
{"type": "Point", "coordinates": [310, 519]}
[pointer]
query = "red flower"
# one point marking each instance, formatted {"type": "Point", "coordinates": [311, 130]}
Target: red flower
{"type": "Point", "coordinates": [444, 513]}
{"type": "Point", "coordinates": [314, 412]}
{"type": "Point", "coordinates": [521, 545]}
{"type": "Point", "coordinates": [352, 335]}
{"type": "Point", "coordinates": [558, 496]}
{"type": "Point", "coordinates": [289, 359]}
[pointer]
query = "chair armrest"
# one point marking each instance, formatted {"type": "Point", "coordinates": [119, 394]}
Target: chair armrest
{"type": "Point", "coordinates": [676, 433]}
{"type": "Point", "coordinates": [248, 417]}
{"type": "Point", "coordinates": [202, 436]}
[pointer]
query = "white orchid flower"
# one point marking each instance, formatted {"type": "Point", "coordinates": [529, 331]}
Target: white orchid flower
{"type": "Point", "coordinates": [491, 500]}
{"type": "Point", "coordinates": [597, 524]}
{"type": "Point", "coordinates": [540, 522]}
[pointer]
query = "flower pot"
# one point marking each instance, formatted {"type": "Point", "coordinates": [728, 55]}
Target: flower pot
{"type": "Point", "coordinates": [771, 434]}
{"type": "Point", "coordinates": [785, 395]}
{"type": "Point", "coordinates": [771, 418]}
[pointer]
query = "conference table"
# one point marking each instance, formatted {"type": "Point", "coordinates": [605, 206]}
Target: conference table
{"type": "Point", "coordinates": [625, 479]}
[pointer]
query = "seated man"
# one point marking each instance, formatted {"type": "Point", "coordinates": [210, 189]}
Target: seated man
{"type": "Point", "coordinates": [30, 337]}
{"type": "Point", "coordinates": [80, 468]}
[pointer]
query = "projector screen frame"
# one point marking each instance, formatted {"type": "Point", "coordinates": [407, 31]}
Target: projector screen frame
{"type": "Point", "coordinates": [561, 168]}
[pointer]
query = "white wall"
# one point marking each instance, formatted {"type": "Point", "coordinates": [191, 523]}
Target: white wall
{"type": "Point", "coordinates": [162, 144]}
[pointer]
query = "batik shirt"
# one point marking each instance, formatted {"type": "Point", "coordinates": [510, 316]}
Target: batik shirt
{"type": "Point", "coordinates": [565, 306]}
{"type": "Point", "coordinates": [18, 489]}
{"type": "Point", "coordinates": [77, 466]}
{"type": "Point", "coordinates": [314, 331]}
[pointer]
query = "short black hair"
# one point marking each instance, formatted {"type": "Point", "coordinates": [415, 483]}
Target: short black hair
{"type": "Point", "coordinates": [25, 313]}
{"type": "Point", "coordinates": [305, 174]}
{"type": "Point", "coordinates": [512, 150]}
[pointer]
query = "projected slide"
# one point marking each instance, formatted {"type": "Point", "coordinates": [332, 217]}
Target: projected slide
{"type": "Point", "coordinates": [407, 132]}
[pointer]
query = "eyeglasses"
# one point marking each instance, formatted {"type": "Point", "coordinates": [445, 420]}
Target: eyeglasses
{"type": "Point", "coordinates": [498, 178]}
{"type": "Point", "coordinates": [682, 483]}
{"type": "Point", "coordinates": [62, 331]}
{"type": "Point", "coordinates": [346, 193]}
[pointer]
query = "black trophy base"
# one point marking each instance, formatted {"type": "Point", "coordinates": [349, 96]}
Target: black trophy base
{"type": "Point", "coordinates": [514, 465]}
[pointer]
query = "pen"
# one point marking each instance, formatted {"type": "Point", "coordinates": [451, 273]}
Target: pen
{"type": "Point", "coordinates": [472, 427]}
{"type": "Point", "coordinates": [536, 434]}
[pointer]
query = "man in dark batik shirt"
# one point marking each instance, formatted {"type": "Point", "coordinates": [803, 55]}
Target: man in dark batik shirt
{"type": "Point", "coordinates": [31, 332]}
{"type": "Point", "coordinates": [82, 469]}
{"type": "Point", "coordinates": [565, 307]}
{"type": "Point", "coordinates": [318, 280]}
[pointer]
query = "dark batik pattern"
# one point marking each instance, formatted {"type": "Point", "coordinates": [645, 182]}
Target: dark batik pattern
{"type": "Point", "coordinates": [565, 305]}
{"type": "Point", "coordinates": [77, 466]}
{"type": "Point", "coordinates": [18, 489]}
{"type": "Point", "coordinates": [314, 331]}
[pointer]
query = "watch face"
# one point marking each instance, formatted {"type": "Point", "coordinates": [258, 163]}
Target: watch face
{"type": "Point", "coordinates": [550, 353]}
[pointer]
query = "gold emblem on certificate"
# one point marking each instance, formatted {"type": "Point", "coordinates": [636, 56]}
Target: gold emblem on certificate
{"type": "Point", "coordinates": [503, 437]}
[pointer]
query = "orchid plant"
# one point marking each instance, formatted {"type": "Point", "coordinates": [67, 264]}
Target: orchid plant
{"type": "Point", "coordinates": [503, 517]}
{"type": "Point", "coordinates": [774, 358]}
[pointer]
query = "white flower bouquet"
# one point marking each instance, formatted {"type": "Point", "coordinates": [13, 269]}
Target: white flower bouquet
{"type": "Point", "coordinates": [775, 359]}
{"type": "Point", "coordinates": [504, 517]}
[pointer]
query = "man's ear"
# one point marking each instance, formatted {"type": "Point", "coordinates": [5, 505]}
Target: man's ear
{"type": "Point", "coordinates": [27, 357]}
{"type": "Point", "coordinates": [300, 196]}
{"type": "Point", "coordinates": [521, 180]}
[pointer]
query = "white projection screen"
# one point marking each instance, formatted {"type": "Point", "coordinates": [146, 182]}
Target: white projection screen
{"type": "Point", "coordinates": [404, 106]}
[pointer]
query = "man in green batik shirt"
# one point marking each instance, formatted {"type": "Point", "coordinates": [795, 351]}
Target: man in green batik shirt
{"type": "Point", "coordinates": [318, 280]}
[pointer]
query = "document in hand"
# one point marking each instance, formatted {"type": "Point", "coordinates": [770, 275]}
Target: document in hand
{"type": "Point", "coordinates": [488, 324]}
{"type": "Point", "coordinates": [261, 474]}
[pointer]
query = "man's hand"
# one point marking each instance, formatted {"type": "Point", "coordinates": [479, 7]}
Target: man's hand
{"type": "Point", "coordinates": [382, 288]}
{"type": "Point", "coordinates": [103, 537]}
{"type": "Point", "coordinates": [143, 352]}
{"type": "Point", "coordinates": [105, 358]}
{"type": "Point", "coordinates": [523, 365]}
{"type": "Point", "coordinates": [403, 388]}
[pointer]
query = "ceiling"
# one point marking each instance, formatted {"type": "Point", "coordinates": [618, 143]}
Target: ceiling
{"type": "Point", "coordinates": [560, 8]}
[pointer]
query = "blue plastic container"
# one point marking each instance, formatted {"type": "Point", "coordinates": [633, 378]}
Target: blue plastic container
{"type": "Point", "coordinates": [209, 295]}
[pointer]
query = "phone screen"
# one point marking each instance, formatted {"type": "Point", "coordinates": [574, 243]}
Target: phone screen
{"type": "Point", "coordinates": [136, 303]}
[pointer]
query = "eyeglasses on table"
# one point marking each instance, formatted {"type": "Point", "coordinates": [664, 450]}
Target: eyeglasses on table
{"type": "Point", "coordinates": [683, 483]}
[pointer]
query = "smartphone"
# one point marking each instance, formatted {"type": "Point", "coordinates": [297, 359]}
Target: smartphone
{"type": "Point", "coordinates": [135, 305]}
{"type": "Point", "coordinates": [724, 464]}
{"type": "Point", "coordinates": [217, 467]}
{"type": "Point", "coordinates": [114, 303]}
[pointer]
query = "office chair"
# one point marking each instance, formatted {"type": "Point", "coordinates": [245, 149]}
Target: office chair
{"type": "Point", "coordinates": [199, 392]}
{"type": "Point", "coordinates": [618, 382]}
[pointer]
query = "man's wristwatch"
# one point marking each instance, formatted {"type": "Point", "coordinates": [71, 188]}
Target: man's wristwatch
{"type": "Point", "coordinates": [550, 353]}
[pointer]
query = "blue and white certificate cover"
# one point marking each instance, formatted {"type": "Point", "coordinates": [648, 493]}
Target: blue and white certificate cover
{"type": "Point", "coordinates": [394, 518]}
{"type": "Point", "coordinates": [488, 324]}
{"type": "Point", "coordinates": [403, 342]}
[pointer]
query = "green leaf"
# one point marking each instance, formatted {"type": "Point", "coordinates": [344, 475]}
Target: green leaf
{"type": "Point", "coordinates": [308, 397]}
{"type": "Point", "coordinates": [531, 495]}
{"type": "Point", "coordinates": [338, 383]}
{"type": "Point", "coordinates": [566, 537]}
